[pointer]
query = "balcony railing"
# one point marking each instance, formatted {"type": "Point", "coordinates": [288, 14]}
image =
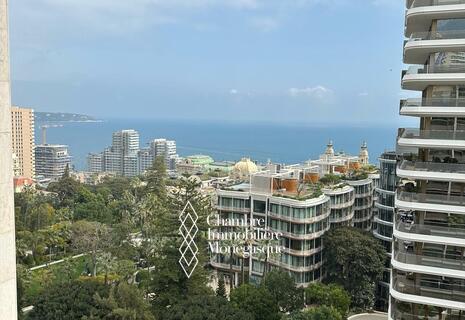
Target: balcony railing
{"type": "Point", "coordinates": [437, 35]}
{"type": "Point", "coordinates": [432, 167]}
{"type": "Point", "coordinates": [433, 102]}
{"type": "Point", "coordinates": [431, 198]}
{"type": "Point", "coordinates": [436, 68]}
{"type": "Point", "coordinates": [413, 133]}
{"type": "Point", "coordinates": [421, 315]}
{"type": "Point", "coordinates": [422, 260]}
{"type": "Point", "coordinates": [432, 230]}
{"type": "Point", "coordinates": [429, 288]}
{"type": "Point", "coordinates": [426, 3]}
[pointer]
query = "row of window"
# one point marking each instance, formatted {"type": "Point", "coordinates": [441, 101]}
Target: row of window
{"type": "Point", "coordinates": [298, 229]}
{"type": "Point", "coordinates": [337, 214]}
{"type": "Point", "coordinates": [360, 202]}
{"type": "Point", "coordinates": [342, 198]}
{"type": "Point", "coordinates": [234, 203]}
{"type": "Point", "coordinates": [301, 245]}
{"type": "Point", "coordinates": [362, 189]}
{"type": "Point", "coordinates": [362, 214]}
{"type": "Point", "coordinates": [299, 213]}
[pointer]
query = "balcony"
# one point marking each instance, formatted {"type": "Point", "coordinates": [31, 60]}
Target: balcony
{"type": "Point", "coordinates": [427, 3]}
{"type": "Point", "coordinates": [421, 13]}
{"type": "Point", "coordinates": [300, 220]}
{"type": "Point", "coordinates": [457, 231]}
{"type": "Point", "coordinates": [439, 107]}
{"type": "Point", "coordinates": [430, 202]}
{"type": "Point", "coordinates": [400, 315]}
{"type": "Point", "coordinates": [433, 171]}
{"type": "Point", "coordinates": [439, 139]}
{"type": "Point", "coordinates": [421, 44]}
{"type": "Point", "coordinates": [420, 77]}
{"type": "Point", "coordinates": [429, 261]}
{"type": "Point", "coordinates": [443, 294]}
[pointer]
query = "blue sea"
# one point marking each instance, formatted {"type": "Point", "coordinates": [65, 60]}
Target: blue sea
{"type": "Point", "coordinates": [225, 140]}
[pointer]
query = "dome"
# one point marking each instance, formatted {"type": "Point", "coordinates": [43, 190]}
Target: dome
{"type": "Point", "coordinates": [363, 156]}
{"type": "Point", "coordinates": [329, 149]}
{"type": "Point", "coordinates": [245, 167]}
{"type": "Point", "coordinates": [364, 150]}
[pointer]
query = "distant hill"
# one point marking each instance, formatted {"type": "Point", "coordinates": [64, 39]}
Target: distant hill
{"type": "Point", "coordinates": [63, 117]}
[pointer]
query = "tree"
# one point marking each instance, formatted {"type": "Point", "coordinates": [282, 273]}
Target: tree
{"type": "Point", "coordinates": [156, 177]}
{"type": "Point", "coordinates": [354, 260]}
{"type": "Point", "coordinates": [318, 313]}
{"type": "Point", "coordinates": [67, 301]}
{"type": "Point", "coordinates": [91, 237]}
{"type": "Point", "coordinates": [66, 189]}
{"type": "Point", "coordinates": [107, 263]}
{"type": "Point", "coordinates": [124, 302]}
{"type": "Point", "coordinates": [257, 301]}
{"type": "Point", "coordinates": [328, 295]}
{"type": "Point", "coordinates": [206, 308]}
{"type": "Point", "coordinates": [169, 284]}
{"type": "Point", "coordinates": [66, 172]}
{"type": "Point", "coordinates": [282, 287]}
{"type": "Point", "coordinates": [221, 290]}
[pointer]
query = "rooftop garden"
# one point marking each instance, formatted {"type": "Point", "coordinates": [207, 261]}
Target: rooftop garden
{"type": "Point", "coordinates": [360, 174]}
{"type": "Point", "coordinates": [306, 192]}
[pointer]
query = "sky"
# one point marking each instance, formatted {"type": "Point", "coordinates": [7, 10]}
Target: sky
{"type": "Point", "coordinates": [289, 61]}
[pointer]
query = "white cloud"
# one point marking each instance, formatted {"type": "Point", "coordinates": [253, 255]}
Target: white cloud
{"type": "Point", "coordinates": [363, 94]}
{"type": "Point", "coordinates": [318, 92]}
{"type": "Point", "coordinates": [264, 24]}
{"type": "Point", "coordinates": [233, 91]}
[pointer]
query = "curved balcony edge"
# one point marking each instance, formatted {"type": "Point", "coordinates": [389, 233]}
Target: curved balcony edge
{"type": "Point", "coordinates": [425, 300]}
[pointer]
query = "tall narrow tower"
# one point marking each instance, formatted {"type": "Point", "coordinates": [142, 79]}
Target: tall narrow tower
{"type": "Point", "coordinates": [7, 223]}
{"type": "Point", "coordinates": [428, 256]}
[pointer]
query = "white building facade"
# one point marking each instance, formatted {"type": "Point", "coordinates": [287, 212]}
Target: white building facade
{"type": "Point", "coordinates": [428, 258]}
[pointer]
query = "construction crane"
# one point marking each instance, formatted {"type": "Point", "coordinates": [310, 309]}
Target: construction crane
{"type": "Point", "coordinates": [44, 130]}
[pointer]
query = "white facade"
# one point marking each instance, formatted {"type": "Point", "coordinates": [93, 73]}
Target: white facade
{"type": "Point", "coordinates": [167, 149]}
{"type": "Point", "coordinates": [428, 257]}
{"type": "Point", "coordinates": [125, 157]}
{"type": "Point", "coordinates": [52, 160]}
{"type": "Point", "coordinates": [95, 162]}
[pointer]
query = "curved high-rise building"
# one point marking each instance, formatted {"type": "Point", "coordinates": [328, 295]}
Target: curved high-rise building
{"type": "Point", "coordinates": [383, 221]}
{"type": "Point", "coordinates": [428, 259]}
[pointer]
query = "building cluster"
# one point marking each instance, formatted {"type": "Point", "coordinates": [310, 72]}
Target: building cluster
{"type": "Point", "coordinates": [34, 163]}
{"type": "Point", "coordinates": [428, 256]}
{"type": "Point", "coordinates": [302, 202]}
{"type": "Point", "coordinates": [125, 157]}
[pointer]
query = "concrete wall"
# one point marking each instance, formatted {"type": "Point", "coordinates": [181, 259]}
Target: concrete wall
{"type": "Point", "coordinates": [7, 224]}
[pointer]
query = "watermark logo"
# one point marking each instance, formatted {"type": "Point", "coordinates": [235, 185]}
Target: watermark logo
{"type": "Point", "coordinates": [188, 230]}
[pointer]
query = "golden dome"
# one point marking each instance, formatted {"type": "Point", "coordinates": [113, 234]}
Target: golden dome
{"type": "Point", "coordinates": [245, 167]}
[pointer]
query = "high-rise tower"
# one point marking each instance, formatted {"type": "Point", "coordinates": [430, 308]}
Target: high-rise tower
{"type": "Point", "coordinates": [7, 222]}
{"type": "Point", "coordinates": [22, 130]}
{"type": "Point", "coordinates": [428, 258]}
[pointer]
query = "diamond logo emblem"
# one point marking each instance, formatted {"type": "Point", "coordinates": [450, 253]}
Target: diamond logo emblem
{"type": "Point", "coordinates": [188, 230]}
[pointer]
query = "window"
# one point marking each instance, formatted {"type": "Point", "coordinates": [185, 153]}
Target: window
{"type": "Point", "coordinates": [259, 206]}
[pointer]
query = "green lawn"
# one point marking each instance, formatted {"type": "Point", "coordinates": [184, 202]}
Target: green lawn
{"type": "Point", "coordinates": [38, 279]}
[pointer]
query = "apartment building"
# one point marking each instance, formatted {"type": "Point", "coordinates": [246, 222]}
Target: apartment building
{"type": "Point", "coordinates": [51, 161]}
{"type": "Point", "coordinates": [22, 136]}
{"type": "Point", "coordinates": [125, 157]}
{"type": "Point", "coordinates": [428, 258]}
{"type": "Point", "coordinates": [299, 211]}
{"type": "Point", "coordinates": [302, 202]}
